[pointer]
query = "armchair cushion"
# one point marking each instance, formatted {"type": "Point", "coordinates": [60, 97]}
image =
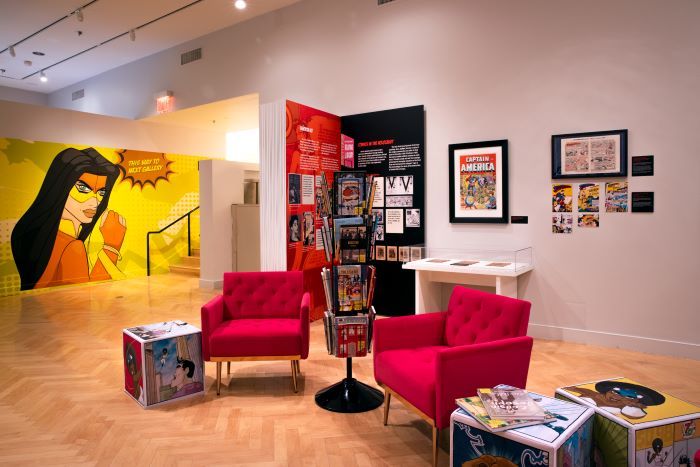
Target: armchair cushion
{"type": "Point", "coordinates": [256, 338]}
{"type": "Point", "coordinates": [414, 381]}
{"type": "Point", "coordinates": [474, 317]}
{"type": "Point", "coordinates": [263, 294]}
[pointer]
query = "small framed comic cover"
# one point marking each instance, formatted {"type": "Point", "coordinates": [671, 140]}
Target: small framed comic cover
{"type": "Point", "coordinates": [479, 182]}
{"type": "Point", "coordinates": [594, 154]}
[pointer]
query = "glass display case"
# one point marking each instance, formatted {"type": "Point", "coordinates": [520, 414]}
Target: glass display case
{"type": "Point", "coordinates": [482, 261]}
{"type": "Point", "coordinates": [434, 267]}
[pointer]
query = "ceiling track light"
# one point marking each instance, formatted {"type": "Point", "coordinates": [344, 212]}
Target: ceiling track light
{"type": "Point", "coordinates": [42, 77]}
{"type": "Point", "coordinates": [12, 51]}
{"type": "Point", "coordinates": [79, 15]}
{"type": "Point", "coordinates": [240, 4]}
{"type": "Point", "coordinates": [132, 35]}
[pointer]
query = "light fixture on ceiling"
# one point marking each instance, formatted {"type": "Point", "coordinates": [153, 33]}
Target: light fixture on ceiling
{"type": "Point", "coordinates": [38, 54]}
{"type": "Point", "coordinates": [42, 77]}
{"type": "Point", "coordinates": [240, 4]}
{"type": "Point", "coordinates": [12, 51]}
{"type": "Point", "coordinates": [132, 35]}
{"type": "Point", "coordinates": [79, 15]}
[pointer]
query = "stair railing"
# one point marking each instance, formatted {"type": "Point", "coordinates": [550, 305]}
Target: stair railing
{"type": "Point", "coordinates": [153, 232]}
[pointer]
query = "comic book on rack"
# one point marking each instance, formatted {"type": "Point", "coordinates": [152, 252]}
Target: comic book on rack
{"type": "Point", "coordinates": [510, 404]}
{"type": "Point", "coordinates": [327, 287]}
{"type": "Point", "coordinates": [349, 193]}
{"type": "Point", "coordinates": [351, 334]}
{"type": "Point", "coordinates": [350, 239]}
{"type": "Point", "coordinates": [349, 281]}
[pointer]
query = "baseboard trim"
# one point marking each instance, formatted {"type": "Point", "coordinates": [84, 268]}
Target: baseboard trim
{"type": "Point", "coordinates": [210, 284]}
{"type": "Point", "coordinates": [622, 341]}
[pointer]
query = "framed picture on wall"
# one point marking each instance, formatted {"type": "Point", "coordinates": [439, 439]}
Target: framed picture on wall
{"type": "Point", "coordinates": [479, 182]}
{"type": "Point", "coordinates": [594, 154]}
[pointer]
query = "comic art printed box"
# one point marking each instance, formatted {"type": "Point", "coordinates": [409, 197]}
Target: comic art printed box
{"type": "Point", "coordinates": [564, 442]}
{"type": "Point", "coordinates": [163, 362]}
{"type": "Point", "coordinates": [636, 425]}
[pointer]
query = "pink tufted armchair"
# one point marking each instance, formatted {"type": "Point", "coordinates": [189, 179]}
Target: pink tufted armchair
{"type": "Point", "coordinates": [427, 361]}
{"type": "Point", "coordinates": [260, 316]}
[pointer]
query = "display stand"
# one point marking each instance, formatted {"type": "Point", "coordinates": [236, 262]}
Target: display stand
{"type": "Point", "coordinates": [349, 395]}
{"type": "Point", "coordinates": [349, 291]}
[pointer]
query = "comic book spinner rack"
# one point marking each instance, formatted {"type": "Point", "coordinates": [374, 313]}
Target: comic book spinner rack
{"type": "Point", "coordinates": [348, 395]}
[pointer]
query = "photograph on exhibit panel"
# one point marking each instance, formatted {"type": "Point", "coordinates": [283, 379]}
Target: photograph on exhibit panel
{"type": "Point", "coordinates": [416, 253]}
{"type": "Point", "coordinates": [380, 252]}
{"type": "Point", "coordinates": [616, 197]}
{"type": "Point", "coordinates": [294, 189]}
{"type": "Point", "coordinates": [562, 196]}
{"type": "Point", "coordinates": [588, 197]}
{"type": "Point", "coordinates": [404, 254]}
{"type": "Point", "coordinates": [391, 253]}
{"type": "Point", "coordinates": [399, 185]}
{"type": "Point", "coordinates": [412, 217]}
{"type": "Point", "coordinates": [308, 226]}
{"type": "Point", "coordinates": [174, 367]}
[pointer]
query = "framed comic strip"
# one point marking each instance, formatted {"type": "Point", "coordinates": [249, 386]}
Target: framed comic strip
{"type": "Point", "coordinates": [594, 154]}
{"type": "Point", "coordinates": [479, 182]}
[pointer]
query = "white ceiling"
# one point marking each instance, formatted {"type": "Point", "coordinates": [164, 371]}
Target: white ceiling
{"type": "Point", "coordinates": [103, 20]}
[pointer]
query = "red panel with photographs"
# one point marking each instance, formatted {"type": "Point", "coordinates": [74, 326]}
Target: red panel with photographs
{"type": "Point", "coordinates": [313, 147]}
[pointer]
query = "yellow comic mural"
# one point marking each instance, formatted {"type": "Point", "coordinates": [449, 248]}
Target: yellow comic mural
{"type": "Point", "coordinates": [73, 214]}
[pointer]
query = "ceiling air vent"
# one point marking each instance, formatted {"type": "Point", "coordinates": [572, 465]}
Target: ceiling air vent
{"type": "Point", "coordinates": [191, 56]}
{"type": "Point", "coordinates": [79, 94]}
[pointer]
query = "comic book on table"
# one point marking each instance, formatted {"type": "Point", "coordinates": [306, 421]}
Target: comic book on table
{"type": "Point", "coordinates": [504, 403]}
{"type": "Point", "coordinates": [474, 407]}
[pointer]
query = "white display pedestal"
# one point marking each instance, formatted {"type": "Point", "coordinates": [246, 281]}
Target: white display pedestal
{"type": "Point", "coordinates": [430, 277]}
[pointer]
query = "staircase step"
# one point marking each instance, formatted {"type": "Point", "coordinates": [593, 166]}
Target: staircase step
{"type": "Point", "coordinates": [191, 261]}
{"type": "Point", "coordinates": [181, 269]}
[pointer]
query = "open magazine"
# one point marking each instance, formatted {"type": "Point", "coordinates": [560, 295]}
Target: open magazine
{"type": "Point", "coordinates": [510, 404]}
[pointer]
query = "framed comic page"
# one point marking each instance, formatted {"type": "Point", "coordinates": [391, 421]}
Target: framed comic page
{"type": "Point", "coordinates": [479, 182]}
{"type": "Point", "coordinates": [594, 154]}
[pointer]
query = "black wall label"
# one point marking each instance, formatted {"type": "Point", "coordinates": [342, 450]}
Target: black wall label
{"type": "Point", "coordinates": [642, 166]}
{"type": "Point", "coordinates": [642, 201]}
{"type": "Point", "coordinates": [518, 219]}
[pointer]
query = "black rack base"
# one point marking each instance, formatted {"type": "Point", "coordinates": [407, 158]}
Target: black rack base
{"type": "Point", "coordinates": [349, 396]}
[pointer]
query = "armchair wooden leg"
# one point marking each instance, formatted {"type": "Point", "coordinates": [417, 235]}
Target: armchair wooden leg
{"type": "Point", "coordinates": [294, 376]}
{"type": "Point", "coordinates": [387, 401]}
{"type": "Point", "coordinates": [218, 378]}
{"type": "Point", "coordinates": [298, 367]}
{"type": "Point", "coordinates": [228, 368]}
{"type": "Point", "coordinates": [436, 433]}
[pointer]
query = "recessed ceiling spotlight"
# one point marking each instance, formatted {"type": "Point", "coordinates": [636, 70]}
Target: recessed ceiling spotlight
{"type": "Point", "coordinates": [12, 51]}
{"type": "Point", "coordinates": [39, 54]}
{"type": "Point", "coordinates": [42, 77]}
{"type": "Point", "coordinates": [79, 14]}
{"type": "Point", "coordinates": [240, 4]}
{"type": "Point", "coordinates": [132, 35]}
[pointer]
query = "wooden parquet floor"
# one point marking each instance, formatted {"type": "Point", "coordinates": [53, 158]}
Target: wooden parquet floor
{"type": "Point", "coordinates": [62, 399]}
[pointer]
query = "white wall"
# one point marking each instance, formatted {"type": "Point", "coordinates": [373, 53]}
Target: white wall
{"type": "Point", "coordinates": [488, 70]}
{"type": "Point", "coordinates": [39, 123]}
{"type": "Point", "coordinates": [20, 95]}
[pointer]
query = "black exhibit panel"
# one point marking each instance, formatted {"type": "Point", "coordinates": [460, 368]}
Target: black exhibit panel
{"type": "Point", "coordinates": [391, 145]}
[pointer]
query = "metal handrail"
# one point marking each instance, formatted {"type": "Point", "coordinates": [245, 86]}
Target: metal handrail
{"type": "Point", "coordinates": [189, 239]}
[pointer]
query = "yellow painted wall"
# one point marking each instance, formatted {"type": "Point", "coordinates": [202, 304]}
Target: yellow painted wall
{"type": "Point", "coordinates": [145, 206]}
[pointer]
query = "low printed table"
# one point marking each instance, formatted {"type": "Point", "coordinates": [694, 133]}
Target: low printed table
{"type": "Point", "coordinates": [565, 442]}
{"type": "Point", "coordinates": [163, 362]}
{"type": "Point", "coordinates": [637, 425]}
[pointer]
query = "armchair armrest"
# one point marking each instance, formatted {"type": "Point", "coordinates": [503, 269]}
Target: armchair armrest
{"type": "Point", "coordinates": [407, 332]}
{"type": "Point", "coordinates": [304, 324]}
{"type": "Point", "coordinates": [463, 369]}
{"type": "Point", "coordinates": [212, 316]}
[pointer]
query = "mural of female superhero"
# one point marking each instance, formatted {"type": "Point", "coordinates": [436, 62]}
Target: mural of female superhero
{"type": "Point", "coordinates": [48, 241]}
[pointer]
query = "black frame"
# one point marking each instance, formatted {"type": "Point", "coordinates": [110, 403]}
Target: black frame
{"type": "Point", "coordinates": [556, 154]}
{"type": "Point", "coordinates": [501, 172]}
